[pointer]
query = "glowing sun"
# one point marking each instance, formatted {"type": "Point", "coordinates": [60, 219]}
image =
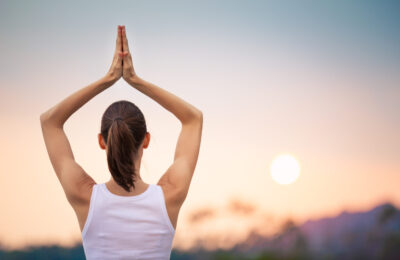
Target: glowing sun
{"type": "Point", "coordinates": [285, 169]}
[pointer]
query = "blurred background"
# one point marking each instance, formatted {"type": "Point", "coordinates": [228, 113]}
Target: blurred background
{"type": "Point", "coordinates": [318, 80]}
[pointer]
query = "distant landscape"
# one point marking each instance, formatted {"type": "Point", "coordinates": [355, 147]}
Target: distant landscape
{"type": "Point", "coordinates": [373, 234]}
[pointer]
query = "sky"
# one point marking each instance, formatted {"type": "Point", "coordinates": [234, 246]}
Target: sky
{"type": "Point", "coordinates": [318, 80]}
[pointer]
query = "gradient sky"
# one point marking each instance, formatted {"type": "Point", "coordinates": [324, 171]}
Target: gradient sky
{"type": "Point", "coordinates": [319, 80]}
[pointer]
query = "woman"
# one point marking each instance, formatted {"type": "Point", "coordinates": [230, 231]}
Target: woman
{"type": "Point", "coordinates": [124, 218]}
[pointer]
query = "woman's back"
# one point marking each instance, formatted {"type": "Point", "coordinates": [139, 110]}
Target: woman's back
{"type": "Point", "coordinates": [127, 227]}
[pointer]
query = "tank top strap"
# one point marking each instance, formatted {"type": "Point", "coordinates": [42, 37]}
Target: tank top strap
{"type": "Point", "coordinates": [161, 199]}
{"type": "Point", "coordinates": [91, 208]}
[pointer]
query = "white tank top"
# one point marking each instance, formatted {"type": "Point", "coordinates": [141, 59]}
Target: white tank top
{"type": "Point", "coordinates": [127, 227]}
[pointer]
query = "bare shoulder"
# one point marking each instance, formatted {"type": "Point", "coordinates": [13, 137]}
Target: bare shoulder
{"type": "Point", "coordinates": [85, 193]}
{"type": "Point", "coordinates": [175, 182]}
{"type": "Point", "coordinates": [81, 203]}
{"type": "Point", "coordinates": [173, 193]}
{"type": "Point", "coordinates": [173, 201]}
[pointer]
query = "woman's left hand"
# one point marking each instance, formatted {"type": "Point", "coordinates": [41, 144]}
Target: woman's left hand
{"type": "Point", "coordinates": [115, 71]}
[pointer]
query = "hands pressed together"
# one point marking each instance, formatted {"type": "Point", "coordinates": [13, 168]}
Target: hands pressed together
{"type": "Point", "coordinates": [122, 65]}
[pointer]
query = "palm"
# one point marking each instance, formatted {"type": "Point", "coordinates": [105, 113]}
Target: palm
{"type": "Point", "coordinates": [128, 71]}
{"type": "Point", "coordinates": [115, 71]}
{"type": "Point", "coordinates": [122, 65]}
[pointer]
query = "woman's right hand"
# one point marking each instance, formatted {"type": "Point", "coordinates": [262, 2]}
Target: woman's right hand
{"type": "Point", "coordinates": [128, 72]}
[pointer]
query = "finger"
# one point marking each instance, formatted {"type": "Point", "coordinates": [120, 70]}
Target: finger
{"type": "Point", "coordinates": [119, 60]}
{"type": "Point", "coordinates": [118, 46]}
{"type": "Point", "coordinates": [125, 47]}
{"type": "Point", "coordinates": [125, 58]}
{"type": "Point", "coordinates": [122, 57]}
{"type": "Point", "coordinates": [117, 63]}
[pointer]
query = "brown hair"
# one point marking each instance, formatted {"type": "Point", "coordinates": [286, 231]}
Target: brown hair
{"type": "Point", "coordinates": [123, 128]}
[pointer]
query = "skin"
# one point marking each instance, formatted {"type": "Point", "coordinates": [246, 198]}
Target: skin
{"type": "Point", "coordinates": [77, 183]}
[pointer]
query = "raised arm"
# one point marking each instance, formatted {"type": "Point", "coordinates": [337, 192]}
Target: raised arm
{"type": "Point", "coordinates": [74, 180]}
{"type": "Point", "coordinates": [178, 176]}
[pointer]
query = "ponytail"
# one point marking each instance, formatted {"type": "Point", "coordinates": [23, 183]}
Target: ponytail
{"type": "Point", "coordinates": [123, 129]}
{"type": "Point", "coordinates": [121, 149]}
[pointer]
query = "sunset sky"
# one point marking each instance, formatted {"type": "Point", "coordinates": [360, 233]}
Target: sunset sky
{"type": "Point", "coordinates": [318, 80]}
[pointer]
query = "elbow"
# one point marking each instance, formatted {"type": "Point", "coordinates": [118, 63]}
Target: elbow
{"type": "Point", "coordinates": [194, 116]}
{"type": "Point", "coordinates": [198, 115]}
{"type": "Point", "coordinates": [46, 119]}
{"type": "Point", "coordinates": [43, 118]}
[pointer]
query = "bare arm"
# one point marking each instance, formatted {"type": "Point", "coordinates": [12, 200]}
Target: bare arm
{"type": "Point", "coordinates": [74, 180]}
{"type": "Point", "coordinates": [179, 174]}
{"type": "Point", "coordinates": [184, 111]}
